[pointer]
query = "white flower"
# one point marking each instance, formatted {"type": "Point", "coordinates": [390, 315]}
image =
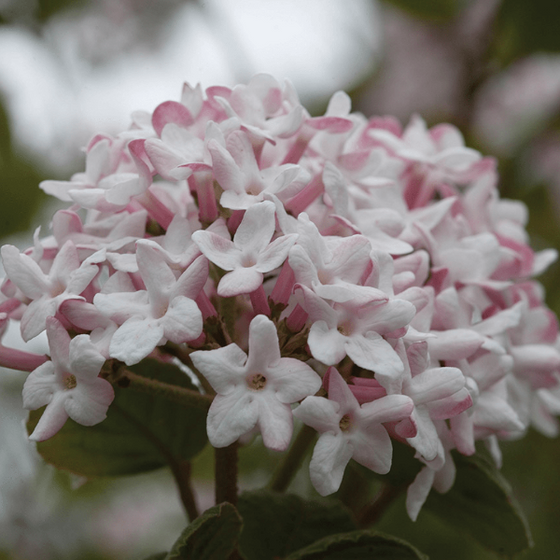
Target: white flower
{"type": "Point", "coordinates": [243, 181]}
{"type": "Point", "coordinates": [357, 331]}
{"type": "Point", "coordinates": [67, 279]}
{"type": "Point", "coordinates": [438, 474]}
{"type": "Point", "coordinates": [255, 390]}
{"type": "Point", "coordinates": [251, 253]}
{"type": "Point", "coordinates": [349, 431]}
{"type": "Point", "coordinates": [332, 267]}
{"type": "Point", "coordinates": [442, 147]}
{"type": "Point", "coordinates": [166, 310]}
{"type": "Point", "coordinates": [69, 384]}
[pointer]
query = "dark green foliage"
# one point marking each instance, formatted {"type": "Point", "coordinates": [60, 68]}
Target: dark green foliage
{"type": "Point", "coordinates": [524, 28]}
{"type": "Point", "coordinates": [359, 545]}
{"type": "Point", "coordinates": [212, 536]}
{"type": "Point", "coordinates": [278, 524]}
{"type": "Point", "coordinates": [142, 432]}
{"type": "Point", "coordinates": [439, 10]}
{"type": "Point", "coordinates": [19, 184]}
{"type": "Point", "coordinates": [481, 503]}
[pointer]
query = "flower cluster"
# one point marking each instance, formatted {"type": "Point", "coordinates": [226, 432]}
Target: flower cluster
{"type": "Point", "coordinates": [364, 278]}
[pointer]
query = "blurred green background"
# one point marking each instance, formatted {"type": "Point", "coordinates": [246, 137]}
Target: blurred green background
{"type": "Point", "coordinates": [491, 67]}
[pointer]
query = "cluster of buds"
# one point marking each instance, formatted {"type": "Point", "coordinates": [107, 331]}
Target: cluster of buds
{"type": "Point", "coordinates": [364, 278]}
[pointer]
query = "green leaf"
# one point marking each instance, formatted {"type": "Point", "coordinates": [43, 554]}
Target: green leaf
{"type": "Point", "coordinates": [5, 136]}
{"type": "Point", "coordinates": [438, 10]}
{"type": "Point", "coordinates": [276, 524]}
{"type": "Point", "coordinates": [212, 536]}
{"type": "Point", "coordinates": [359, 545]}
{"type": "Point", "coordinates": [20, 184]}
{"type": "Point", "coordinates": [481, 503]}
{"type": "Point", "coordinates": [158, 556]}
{"type": "Point", "coordinates": [525, 27]}
{"type": "Point", "coordinates": [20, 194]}
{"type": "Point", "coordinates": [142, 432]}
{"type": "Point", "coordinates": [49, 8]}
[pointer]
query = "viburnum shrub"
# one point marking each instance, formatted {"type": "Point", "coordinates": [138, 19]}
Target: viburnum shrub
{"type": "Point", "coordinates": [230, 263]}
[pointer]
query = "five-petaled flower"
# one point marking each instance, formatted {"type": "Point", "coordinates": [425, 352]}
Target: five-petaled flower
{"type": "Point", "coordinates": [254, 391]}
{"type": "Point", "coordinates": [69, 384]}
{"type": "Point", "coordinates": [348, 431]}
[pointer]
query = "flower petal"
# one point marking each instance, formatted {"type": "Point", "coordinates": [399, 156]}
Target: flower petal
{"type": "Point", "coordinates": [256, 229]}
{"type": "Point", "coordinates": [39, 387]}
{"type": "Point", "coordinates": [231, 416]}
{"type": "Point", "coordinates": [319, 413]}
{"type": "Point", "coordinates": [240, 281]}
{"type": "Point", "coordinates": [183, 320]}
{"type": "Point", "coordinates": [330, 457]}
{"type": "Point", "coordinates": [263, 345]}
{"type": "Point", "coordinates": [373, 448]}
{"type": "Point", "coordinates": [24, 272]}
{"type": "Point", "coordinates": [217, 249]}
{"type": "Point", "coordinates": [224, 368]}
{"type": "Point", "coordinates": [135, 339]}
{"type": "Point", "coordinates": [85, 359]}
{"type": "Point", "coordinates": [327, 345]}
{"type": "Point", "coordinates": [88, 402]}
{"type": "Point", "coordinates": [275, 423]}
{"type": "Point", "coordinates": [418, 492]}
{"type": "Point", "coordinates": [294, 380]}
{"type": "Point", "coordinates": [53, 418]}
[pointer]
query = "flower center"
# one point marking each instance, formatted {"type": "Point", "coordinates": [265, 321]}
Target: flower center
{"type": "Point", "coordinates": [70, 382]}
{"type": "Point", "coordinates": [248, 261]}
{"type": "Point", "coordinates": [254, 188]}
{"type": "Point", "coordinates": [345, 423]}
{"type": "Point", "coordinates": [324, 276]}
{"type": "Point", "coordinates": [57, 288]}
{"type": "Point", "coordinates": [257, 382]}
{"type": "Point", "coordinates": [345, 329]}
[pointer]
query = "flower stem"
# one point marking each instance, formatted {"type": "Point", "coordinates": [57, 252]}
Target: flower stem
{"type": "Point", "coordinates": [182, 473]}
{"type": "Point", "coordinates": [372, 513]}
{"type": "Point", "coordinates": [175, 393]}
{"type": "Point", "coordinates": [183, 356]}
{"type": "Point", "coordinates": [180, 468]}
{"type": "Point", "coordinates": [291, 462]}
{"type": "Point", "coordinates": [225, 461]}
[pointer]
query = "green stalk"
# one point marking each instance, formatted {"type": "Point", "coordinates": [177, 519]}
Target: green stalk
{"type": "Point", "coordinates": [180, 395]}
{"type": "Point", "coordinates": [182, 473]}
{"type": "Point", "coordinates": [183, 355]}
{"type": "Point", "coordinates": [226, 474]}
{"type": "Point", "coordinates": [180, 469]}
{"type": "Point", "coordinates": [372, 513]}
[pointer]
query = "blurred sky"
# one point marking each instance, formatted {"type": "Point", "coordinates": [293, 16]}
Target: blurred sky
{"type": "Point", "coordinates": [88, 69]}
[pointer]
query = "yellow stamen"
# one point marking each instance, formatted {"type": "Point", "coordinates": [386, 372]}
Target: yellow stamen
{"type": "Point", "coordinates": [257, 382]}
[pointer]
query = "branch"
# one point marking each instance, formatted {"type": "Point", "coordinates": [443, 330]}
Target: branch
{"type": "Point", "coordinates": [226, 473]}
{"type": "Point", "coordinates": [186, 397]}
{"type": "Point", "coordinates": [372, 513]}
{"type": "Point", "coordinates": [182, 473]}
{"type": "Point", "coordinates": [183, 355]}
{"type": "Point", "coordinates": [180, 469]}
